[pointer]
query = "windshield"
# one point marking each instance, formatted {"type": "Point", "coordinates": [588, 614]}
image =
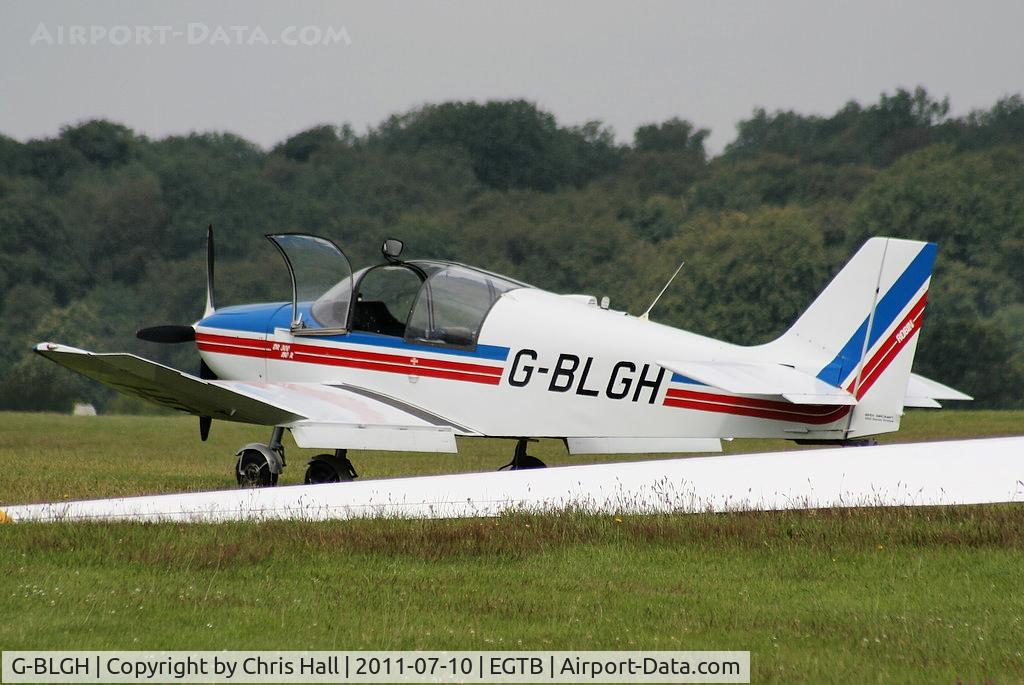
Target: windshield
{"type": "Point", "coordinates": [424, 300]}
{"type": "Point", "coordinates": [330, 310]}
{"type": "Point", "coordinates": [453, 303]}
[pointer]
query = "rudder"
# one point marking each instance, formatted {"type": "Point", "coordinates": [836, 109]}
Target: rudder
{"type": "Point", "coordinates": [860, 333]}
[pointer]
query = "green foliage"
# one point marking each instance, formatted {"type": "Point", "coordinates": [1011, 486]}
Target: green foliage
{"type": "Point", "coordinates": [510, 144]}
{"type": "Point", "coordinates": [1001, 125]}
{"type": "Point", "coordinates": [878, 134]}
{"type": "Point", "coordinates": [102, 230]}
{"type": "Point", "coordinates": [747, 276]}
{"type": "Point", "coordinates": [774, 179]}
{"type": "Point", "coordinates": [302, 146]}
{"type": "Point", "coordinates": [655, 218]}
{"type": "Point", "coordinates": [666, 158]}
{"type": "Point", "coordinates": [965, 201]}
{"type": "Point", "coordinates": [102, 143]}
{"type": "Point", "coordinates": [32, 384]}
{"type": "Point", "coordinates": [52, 160]}
{"type": "Point", "coordinates": [674, 135]}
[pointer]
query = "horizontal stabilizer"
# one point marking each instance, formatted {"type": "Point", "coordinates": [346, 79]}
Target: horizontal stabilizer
{"type": "Point", "coordinates": [920, 388]}
{"type": "Point", "coordinates": [776, 380]}
{"type": "Point", "coordinates": [920, 403]}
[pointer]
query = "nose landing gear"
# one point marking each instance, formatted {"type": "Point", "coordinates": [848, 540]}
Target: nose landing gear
{"type": "Point", "coordinates": [259, 464]}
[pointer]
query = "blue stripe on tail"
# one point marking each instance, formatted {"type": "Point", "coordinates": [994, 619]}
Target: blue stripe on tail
{"type": "Point", "coordinates": [889, 307]}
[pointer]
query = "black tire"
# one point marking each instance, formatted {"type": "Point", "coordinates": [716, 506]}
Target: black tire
{"type": "Point", "coordinates": [522, 462]}
{"type": "Point", "coordinates": [528, 462]}
{"type": "Point", "coordinates": [326, 468]}
{"type": "Point", "coordinates": [319, 472]}
{"type": "Point", "coordinates": [253, 471]}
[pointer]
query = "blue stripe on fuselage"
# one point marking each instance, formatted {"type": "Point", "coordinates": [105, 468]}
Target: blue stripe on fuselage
{"type": "Point", "coordinates": [264, 318]}
{"type": "Point", "coordinates": [248, 318]}
{"type": "Point", "coordinates": [680, 378]}
{"type": "Point", "coordinates": [888, 308]}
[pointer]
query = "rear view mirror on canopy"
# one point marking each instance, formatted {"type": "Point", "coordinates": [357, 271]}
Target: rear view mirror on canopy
{"type": "Point", "coordinates": [392, 248]}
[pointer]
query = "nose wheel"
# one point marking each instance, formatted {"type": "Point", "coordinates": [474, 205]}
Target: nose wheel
{"type": "Point", "coordinates": [253, 470]}
{"type": "Point", "coordinates": [259, 464]}
{"type": "Point", "coordinates": [521, 460]}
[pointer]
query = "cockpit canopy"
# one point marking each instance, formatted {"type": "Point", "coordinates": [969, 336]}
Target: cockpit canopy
{"type": "Point", "coordinates": [424, 301]}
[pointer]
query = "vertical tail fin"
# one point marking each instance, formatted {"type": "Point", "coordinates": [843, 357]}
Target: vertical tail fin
{"type": "Point", "coordinates": [861, 331]}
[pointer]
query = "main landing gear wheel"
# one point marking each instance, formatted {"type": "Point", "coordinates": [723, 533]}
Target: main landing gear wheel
{"type": "Point", "coordinates": [330, 468]}
{"type": "Point", "coordinates": [521, 460]}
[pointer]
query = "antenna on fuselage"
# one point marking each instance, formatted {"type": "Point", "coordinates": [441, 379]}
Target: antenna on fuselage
{"type": "Point", "coordinates": [646, 315]}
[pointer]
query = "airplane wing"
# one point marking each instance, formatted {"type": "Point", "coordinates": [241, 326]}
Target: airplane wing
{"type": "Point", "coordinates": [774, 380]}
{"type": "Point", "coordinates": [924, 392]}
{"type": "Point", "coordinates": [322, 416]}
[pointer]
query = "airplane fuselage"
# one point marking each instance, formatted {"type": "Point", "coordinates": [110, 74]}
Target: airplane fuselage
{"type": "Point", "coordinates": [545, 365]}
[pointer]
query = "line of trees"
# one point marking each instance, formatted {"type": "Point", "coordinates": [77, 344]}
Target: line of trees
{"type": "Point", "coordinates": [101, 229]}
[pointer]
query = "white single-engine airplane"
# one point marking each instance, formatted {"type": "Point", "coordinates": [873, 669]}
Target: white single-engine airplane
{"type": "Point", "coordinates": [407, 355]}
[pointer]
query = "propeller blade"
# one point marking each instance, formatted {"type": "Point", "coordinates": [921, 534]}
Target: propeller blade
{"type": "Point", "coordinates": [167, 334]}
{"type": "Point", "coordinates": [210, 306]}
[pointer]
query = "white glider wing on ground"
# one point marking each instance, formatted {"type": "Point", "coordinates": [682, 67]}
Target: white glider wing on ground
{"type": "Point", "coordinates": [923, 474]}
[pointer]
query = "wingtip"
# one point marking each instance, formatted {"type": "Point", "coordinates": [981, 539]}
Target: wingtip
{"type": "Point", "coordinates": [4, 518]}
{"type": "Point", "coordinates": [48, 349]}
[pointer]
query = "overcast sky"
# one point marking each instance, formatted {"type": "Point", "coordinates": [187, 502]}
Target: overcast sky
{"type": "Point", "coordinates": [624, 63]}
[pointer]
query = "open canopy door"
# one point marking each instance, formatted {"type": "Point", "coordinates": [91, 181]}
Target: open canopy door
{"type": "Point", "coordinates": [321, 278]}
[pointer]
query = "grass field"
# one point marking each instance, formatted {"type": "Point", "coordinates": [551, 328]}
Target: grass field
{"type": "Point", "coordinates": [897, 595]}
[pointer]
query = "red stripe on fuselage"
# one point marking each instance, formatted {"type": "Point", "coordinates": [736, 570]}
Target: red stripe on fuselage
{"type": "Point", "coordinates": [233, 340]}
{"type": "Point", "coordinates": [408, 360]}
{"type": "Point", "coordinates": [228, 344]}
{"type": "Point", "coordinates": [811, 414]}
{"type": "Point", "coordinates": [347, 357]}
{"type": "Point", "coordinates": [409, 369]}
{"type": "Point", "coordinates": [232, 349]}
{"type": "Point", "coordinates": [790, 414]}
{"type": "Point", "coordinates": [749, 402]}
